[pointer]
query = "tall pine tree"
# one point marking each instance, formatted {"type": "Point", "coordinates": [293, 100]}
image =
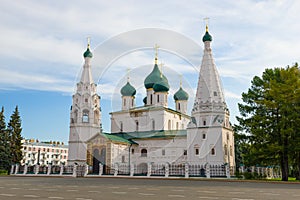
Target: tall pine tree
{"type": "Point", "coordinates": [270, 115]}
{"type": "Point", "coordinates": [14, 128]}
{"type": "Point", "coordinates": [5, 153]}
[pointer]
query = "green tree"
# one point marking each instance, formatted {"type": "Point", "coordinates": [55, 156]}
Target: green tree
{"type": "Point", "coordinates": [269, 114]}
{"type": "Point", "coordinates": [14, 128]}
{"type": "Point", "coordinates": [5, 153]}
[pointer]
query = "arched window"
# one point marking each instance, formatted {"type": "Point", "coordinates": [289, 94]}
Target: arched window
{"type": "Point", "coordinates": [151, 99]}
{"type": "Point", "coordinates": [158, 98]}
{"type": "Point", "coordinates": [204, 122]}
{"type": "Point", "coordinates": [85, 116]}
{"type": "Point", "coordinates": [136, 125]}
{"type": "Point", "coordinates": [196, 147]}
{"type": "Point", "coordinates": [144, 153]}
{"type": "Point", "coordinates": [153, 124]}
{"type": "Point", "coordinates": [124, 102]}
{"type": "Point", "coordinates": [169, 125]}
{"type": "Point", "coordinates": [177, 125]}
{"type": "Point", "coordinates": [178, 106]}
{"type": "Point", "coordinates": [230, 150]}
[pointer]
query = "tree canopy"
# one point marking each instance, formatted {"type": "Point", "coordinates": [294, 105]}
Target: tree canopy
{"type": "Point", "coordinates": [270, 114]}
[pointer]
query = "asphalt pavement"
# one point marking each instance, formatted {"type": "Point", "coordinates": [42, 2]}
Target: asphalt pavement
{"type": "Point", "coordinates": [111, 188]}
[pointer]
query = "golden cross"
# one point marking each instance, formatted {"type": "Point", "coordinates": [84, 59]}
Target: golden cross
{"type": "Point", "coordinates": [206, 19]}
{"type": "Point", "coordinates": [180, 80]}
{"type": "Point", "coordinates": [88, 41]}
{"type": "Point", "coordinates": [156, 50]}
{"type": "Point", "coordinates": [128, 70]}
{"type": "Point", "coordinates": [161, 68]}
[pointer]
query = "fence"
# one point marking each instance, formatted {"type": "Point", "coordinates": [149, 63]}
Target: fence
{"type": "Point", "coordinates": [123, 169]}
{"type": "Point", "coordinates": [269, 172]}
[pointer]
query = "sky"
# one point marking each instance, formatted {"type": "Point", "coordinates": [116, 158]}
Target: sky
{"type": "Point", "coordinates": [42, 43]}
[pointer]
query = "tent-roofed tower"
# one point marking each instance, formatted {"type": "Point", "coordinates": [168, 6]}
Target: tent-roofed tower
{"type": "Point", "coordinates": [210, 136]}
{"type": "Point", "coordinates": [85, 114]}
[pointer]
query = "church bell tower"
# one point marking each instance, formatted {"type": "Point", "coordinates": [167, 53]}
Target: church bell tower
{"type": "Point", "coordinates": [85, 116]}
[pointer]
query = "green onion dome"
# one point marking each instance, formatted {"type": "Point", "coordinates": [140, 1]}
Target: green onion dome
{"type": "Point", "coordinates": [128, 90]}
{"type": "Point", "coordinates": [145, 100]}
{"type": "Point", "coordinates": [207, 37]}
{"type": "Point", "coordinates": [87, 53]}
{"type": "Point", "coordinates": [181, 95]}
{"type": "Point", "coordinates": [162, 85]}
{"type": "Point", "coordinates": [153, 77]}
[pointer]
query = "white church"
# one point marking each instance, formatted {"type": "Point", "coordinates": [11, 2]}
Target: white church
{"type": "Point", "coordinates": [153, 133]}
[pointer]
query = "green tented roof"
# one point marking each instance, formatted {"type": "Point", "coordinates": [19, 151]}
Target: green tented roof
{"type": "Point", "coordinates": [151, 134]}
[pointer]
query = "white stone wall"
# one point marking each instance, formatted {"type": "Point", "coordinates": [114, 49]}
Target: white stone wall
{"type": "Point", "coordinates": [163, 120]}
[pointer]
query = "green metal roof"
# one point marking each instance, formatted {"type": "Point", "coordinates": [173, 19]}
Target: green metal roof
{"type": "Point", "coordinates": [128, 90]}
{"type": "Point", "coordinates": [116, 138]}
{"type": "Point", "coordinates": [207, 37]}
{"type": "Point", "coordinates": [151, 134]}
{"type": "Point", "coordinates": [181, 95]}
{"type": "Point", "coordinates": [88, 53]}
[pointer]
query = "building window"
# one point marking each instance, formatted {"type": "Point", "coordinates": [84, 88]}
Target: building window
{"type": "Point", "coordinates": [158, 98]}
{"type": "Point", "coordinates": [178, 106]}
{"type": "Point", "coordinates": [85, 116]}
{"type": "Point", "coordinates": [163, 152]}
{"type": "Point", "coordinates": [215, 93]}
{"type": "Point", "coordinates": [227, 136]}
{"type": "Point", "coordinates": [151, 99]}
{"type": "Point", "coordinates": [123, 159]}
{"type": "Point", "coordinates": [185, 152]}
{"type": "Point", "coordinates": [132, 151]}
{"type": "Point", "coordinates": [230, 150]}
{"type": "Point", "coordinates": [144, 153]}
{"type": "Point", "coordinates": [153, 124]}
{"type": "Point", "coordinates": [86, 100]}
{"type": "Point", "coordinates": [169, 124]}
{"type": "Point", "coordinates": [213, 151]}
{"type": "Point", "coordinates": [136, 126]}
{"type": "Point", "coordinates": [225, 150]}
{"type": "Point", "coordinates": [196, 151]}
{"type": "Point", "coordinates": [124, 102]}
{"type": "Point", "coordinates": [121, 126]}
{"type": "Point", "coordinates": [177, 125]}
{"type": "Point", "coordinates": [204, 122]}
{"type": "Point", "coordinates": [203, 136]}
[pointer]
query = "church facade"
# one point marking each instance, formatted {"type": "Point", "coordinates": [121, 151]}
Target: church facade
{"type": "Point", "coordinates": [153, 133]}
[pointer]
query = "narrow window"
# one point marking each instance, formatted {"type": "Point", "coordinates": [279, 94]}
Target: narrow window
{"type": "Point", "coordinates": [225, 150]}
{"type": "Point", "coordinates": [197, 151]}
{"type": "Point", "coordinates": [213, 152]}
{"type": "Point", "coordinates": [178, 106]}
{"type": "Point", "coordinates": [121, 126]}
{"type": "Point", "coordinates": [151, 99]}
{"type": "Point", "coordinates": [123, 159]}
{"type": "Point", "coordinates": [203, 136]}
{"type": "Point", "coordinates": [153, 124]}
{"type": "Point", "coordinates": [85, 116]}
{"type": "Point", "coordinates": [144, 153]}
{"type": "Point", "coordinates": [136, 126]}
{"type": "Point", "coordinates": [185, 152]}
{"type": "Point", "coordinates": [163, 152]}
{"type": "Point", "coordinates": [158, 98]}
{"type": "Point", "coordinates": [124, 102]}
{"type": "Point", "coordinates": [231, 152]}
{"type": "Point", "coordinates": [215, 93]}
{"type": "Point", "coordinates": [132, 151]}
{"type": "Point", "coordinates": [204, 122]}
{"type": "Point", "coordinates": [169, 124]}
